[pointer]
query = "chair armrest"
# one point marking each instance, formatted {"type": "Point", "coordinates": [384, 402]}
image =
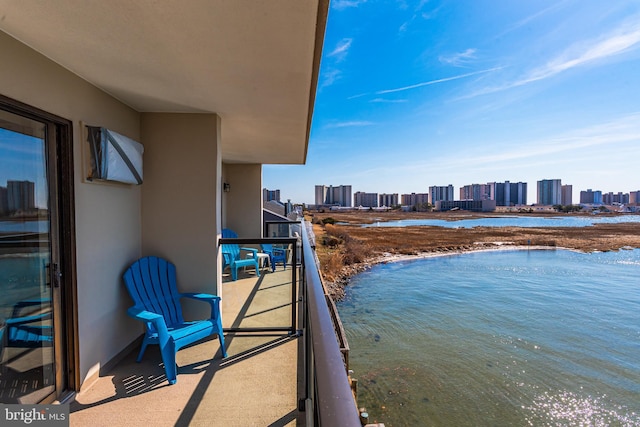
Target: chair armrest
{"type": "Point", "coordinates": [143, 315]}
{"type": "Point", "coordinates": [200, 296]}
{"type": "Point", "coordinates": [253, 251]}
{"type": "Point", "coordinates": [151, 318]}
{"type": "Point", "coordinates": [280, 251]}
{"type": "Point", "coordinates": [17, 321]}
{"type": "Point", "coordinates": [213, 300]}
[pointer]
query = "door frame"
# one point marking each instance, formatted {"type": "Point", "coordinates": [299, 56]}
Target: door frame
{"type": "Point", "coordinates": [60, 133]}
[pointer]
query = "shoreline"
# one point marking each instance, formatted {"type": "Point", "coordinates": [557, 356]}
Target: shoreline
{"type": "Point", "coordinates": [337, 288]}
{"type": "Point", "coordinates": [388, 258]}
{"type": "Point", "coordinates": [347, 249]}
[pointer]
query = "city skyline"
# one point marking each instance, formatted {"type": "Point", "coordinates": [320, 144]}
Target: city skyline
{"type": "Point", "coordinates": [436, 93]}
{"type": "Point", "coordinates": [504, 193]}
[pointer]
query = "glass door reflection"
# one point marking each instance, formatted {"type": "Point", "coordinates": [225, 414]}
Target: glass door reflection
{"type": "Point", "coordinates": [27, 359]}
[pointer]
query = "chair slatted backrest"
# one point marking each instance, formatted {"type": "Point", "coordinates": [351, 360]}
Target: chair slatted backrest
{"type": "Point", "coordinates": [267, 247]}
{"type": "Point", "coordinates": [151, 282]}
{"type": "Point", "coordinates": [230, 251]}
{"type": "Point", "coordinates": [228, 233]}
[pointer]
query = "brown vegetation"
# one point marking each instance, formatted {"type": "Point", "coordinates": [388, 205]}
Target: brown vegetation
{"type": "Point", "coordinates": [348, 248]}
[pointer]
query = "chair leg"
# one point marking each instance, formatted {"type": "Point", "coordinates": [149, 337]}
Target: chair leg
{"type": "Point", "coordinates": [143, 347]}
{"type": "Point", "coordinates": [223, 348]}
{"type": "Point", "coordinates": [169, 360]}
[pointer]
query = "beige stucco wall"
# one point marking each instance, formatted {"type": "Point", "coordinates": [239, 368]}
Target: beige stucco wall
{"type": "Point", "coordinates": [108, 217]}
{"type": "Point", "coordinates": [175, 213]}
{"type": "Point", "coordinates": [242, 205]}
{"type": "Point", "coordinates": [180, 194]}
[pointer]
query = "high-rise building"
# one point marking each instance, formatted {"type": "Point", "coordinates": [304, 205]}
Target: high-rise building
{"type": "Point", "coordinates": [509, 193]}
{"type": "Point", "coordinates": [550, 192]}
{"type": "Point", "coordinates": [612, 198]}
{"type": "Point", "coordinates": [20, 195]}
{"type": "Point", "coordinates": [366, 200]}
{"type": "Point", "coordinates": [440, 193]}
{"type": "Point", "coordinates": [634, 198]}
{"type": "Point", "coordinates": [321, 194]}
{"type": "Point", "coordinates": [504, 193]}
{"type": "Point", "coordinates": [418, 200]}
{"type": "Point", "coordinates": [388, 200]}
{"type": "Point", "coordinates": [340, 195]}
{"type": "Point", "coordinates": [269, 195]}
{"type": "Point", "coordinates": [4, 201]}
{"type": "Point", "coordinates": [591, 197]}
{"type": "Point", "coordinates": [566, 197]}
{"type": "Point", "coordinates": [476, 192]}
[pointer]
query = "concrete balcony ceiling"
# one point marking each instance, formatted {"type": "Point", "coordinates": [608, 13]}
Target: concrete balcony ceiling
{"type": "Point", "coordinates": [255, 63]}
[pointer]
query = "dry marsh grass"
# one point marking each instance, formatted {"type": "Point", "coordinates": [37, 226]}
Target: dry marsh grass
{"type": "Point", "coordinates": [350, 248]}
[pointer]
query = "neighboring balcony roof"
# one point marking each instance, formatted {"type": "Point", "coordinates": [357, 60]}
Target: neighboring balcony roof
{"type": "Point", "coordinates": [255, 63]}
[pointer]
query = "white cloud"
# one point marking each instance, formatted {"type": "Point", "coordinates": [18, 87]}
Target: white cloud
{"type": "Point", "coordinates": [360, 95]}
{"type": "Point", "coordinates": [344, 4]}
{"type": "Point", "coordinates": [391, 101]}
{"type": "Point", "coordinates": [576, 56]}
{"type": "Point", "coordinates": [341, 50]}
{"type": "Point", "coordinates": [349, 124]}
{"type": "Point", "coordinates": [625, 129]}
{"type": "Point", "coordinates": [623, 39]}
{"type": "Point", "coordinates": [329, 77]}
{"type": "Point", "coordinates": [459, 59]}
{"type": "Point", "coordinates": [533, 17]}
{"type": "Point", "coordinates": [431, 82]}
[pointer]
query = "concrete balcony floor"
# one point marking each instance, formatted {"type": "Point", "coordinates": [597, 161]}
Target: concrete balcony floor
{"type": "Point", "coordinates": [256, 385]}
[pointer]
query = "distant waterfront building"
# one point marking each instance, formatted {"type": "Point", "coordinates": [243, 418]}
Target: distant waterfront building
{"type": "Point", "coordinates": [417, 200]}
{"type": "Point", "coordinates": [591, 197]}
{"type": "Point", "coordinates": [339, 195]}
{"type": "Point", "coordinates": [388, 200]}
{"type": "Point", "coordinates": [634, 198]}
{"type": "Point", "coordinates": [550, 192]}
{"type": "Point", "coordinates": [440, 193]}
{"type": "Point", "coordinates": [476, 192]}
{"type": "Point", "coordinates": [366, 200]}
{"type": "Point", "coordinates": [4, 201]}
{"type": "Point", "coordinates": [611, 198]}
{"type": "Point", "coordinates": [566, 197]}
{"type": "Point", "coordinates": [466, 205]}
{"type": "Point", "coordinates": [20, 196]}
{"type": "Point", "coordinates": [509, 193]}
{"type": "Point", "coordinates": [504, 193]}
{"type": "Point", "coordinates": [269, 195]}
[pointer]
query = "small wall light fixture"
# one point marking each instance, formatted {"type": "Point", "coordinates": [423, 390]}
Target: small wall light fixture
{"type": "Point", "coordinates": [226, 187]}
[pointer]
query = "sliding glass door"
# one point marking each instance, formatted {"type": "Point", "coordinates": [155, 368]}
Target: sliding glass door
{"type": "Point", "coordinates": [32, 349]}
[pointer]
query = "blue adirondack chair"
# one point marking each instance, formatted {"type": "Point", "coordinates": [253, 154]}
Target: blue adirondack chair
{"type": "Point", "coordinates": [151, 282]}
{"type": "Point", "coordinates": [276, 255]}
{"type": "Point", "coordinates": [28, 331]}
{"type": "Point", "coordinates": [232, 255]}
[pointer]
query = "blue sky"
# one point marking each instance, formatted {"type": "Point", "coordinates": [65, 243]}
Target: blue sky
{"type": "Point", "coordinates": [22, 159]}
{"type": "Point", "coordinates": [416, 94]}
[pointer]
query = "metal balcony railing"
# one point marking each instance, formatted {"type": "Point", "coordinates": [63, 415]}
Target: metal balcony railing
{"type": "Point", "coordinates": [328, 399]}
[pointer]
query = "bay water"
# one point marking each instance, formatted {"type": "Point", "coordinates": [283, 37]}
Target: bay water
{"type": "Point", "coordinates": [513, 221]}
{"type": "Point", "coordinates": [504, 338]}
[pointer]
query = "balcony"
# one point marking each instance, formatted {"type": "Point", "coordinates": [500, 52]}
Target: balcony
{"type": "Point", "coordinates": [284, 365]}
